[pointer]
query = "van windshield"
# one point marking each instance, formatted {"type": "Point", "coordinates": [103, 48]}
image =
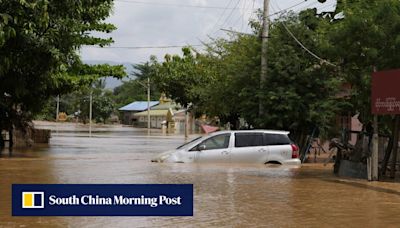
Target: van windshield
{"type": "Point", "coordinates": [191, 141]}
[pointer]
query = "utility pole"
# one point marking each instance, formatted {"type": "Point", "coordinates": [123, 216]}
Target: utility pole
{"type": "Point", "coordinates": [186, 124]}
{"type": "Point", "coordinates": [264, 63]}
{"type": "Point", "coordinates": [395, 147]}
{"type": "Point", "coordinates": [147, 86]}
{"type": "Point", "coordinates": [58, 107]}
{"type": "Point", "coordinates": [375, 148]}
{"type": "Point", "coordinates": [374, 155]}
{"type": "Point", "coordinates": [90, 113]}
{"type": "Point", "coordinates": [148, 105]}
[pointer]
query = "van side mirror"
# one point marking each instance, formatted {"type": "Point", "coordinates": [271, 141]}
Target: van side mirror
{"type": "Point", "coordinates": [202, 147]}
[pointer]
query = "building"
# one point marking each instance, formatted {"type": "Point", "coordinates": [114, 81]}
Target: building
{"type": "Point", "coordinates": [134, 107]}
{"type": "Point", "coordinates": [167, 114]}
{"type": "Point", "coordinates": [157, 118]}
{"type": "Point", "coordinates": [160, 114]}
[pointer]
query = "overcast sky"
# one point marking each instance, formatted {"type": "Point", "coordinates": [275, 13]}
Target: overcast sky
{"type": "Point", "coordinates": [154, 23]}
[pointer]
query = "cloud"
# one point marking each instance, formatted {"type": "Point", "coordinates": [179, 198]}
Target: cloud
{"type": "Point", "coordinates": [161, 25]}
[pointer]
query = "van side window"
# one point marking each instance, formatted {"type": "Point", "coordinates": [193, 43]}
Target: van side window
{"type": "Point", "coordinates": [248, 139]}
{"type": "Point", "coordinates": [276, 139]}
{"type": "Point", "coordinates": [216, 142]}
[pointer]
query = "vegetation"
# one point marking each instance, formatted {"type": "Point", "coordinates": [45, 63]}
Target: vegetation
{"type": "Point", "coordinates": [136, 89]}
{"type": "Point", "coordinates": [224, 81]}
{"type": "Point", "coordinates": [303, 88]}
{"type": "Point", "coordinates": [366, 38]}
{"type": "Point", "coordinates": [38, 53]}
{"type": "Point", "coordinates": [77, 104]}
{"type": "Point", "coordinates": [38, 44]}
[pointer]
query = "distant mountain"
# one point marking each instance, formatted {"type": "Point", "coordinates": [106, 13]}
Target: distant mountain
{"type": "Point", "coordinates": [111, 82]}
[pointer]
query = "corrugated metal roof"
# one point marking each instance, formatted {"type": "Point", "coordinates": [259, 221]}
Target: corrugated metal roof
{"type": "Point", "coordinates": [138, 106]}
{"type": "Point", "coordinates": [153, 113]}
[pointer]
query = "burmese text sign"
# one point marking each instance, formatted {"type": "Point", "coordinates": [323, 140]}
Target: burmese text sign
{"type": "Point", "coordinates": [385, 92]}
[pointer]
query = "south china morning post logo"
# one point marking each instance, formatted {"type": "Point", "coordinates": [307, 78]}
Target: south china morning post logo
{"type": "Point", "coordinates": [117, 200]}
{"type": "Point", "coordinates": [32, 200]}
{"type": "Point", "coordinates": [102, 200]}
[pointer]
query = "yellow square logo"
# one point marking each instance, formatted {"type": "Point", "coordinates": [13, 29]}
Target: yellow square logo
{"type": "Point", "coordinates": [32, 199]}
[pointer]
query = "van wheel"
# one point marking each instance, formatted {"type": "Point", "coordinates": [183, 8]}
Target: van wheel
{"type": "Point", "coordinates": [273, 162]}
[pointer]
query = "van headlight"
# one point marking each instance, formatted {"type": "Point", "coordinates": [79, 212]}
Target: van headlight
{"type": "Point", "coordinates": [162, 157]}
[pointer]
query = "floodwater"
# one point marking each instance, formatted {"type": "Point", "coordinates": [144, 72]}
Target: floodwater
{"type": "Point", "coordinates": [224, 195]}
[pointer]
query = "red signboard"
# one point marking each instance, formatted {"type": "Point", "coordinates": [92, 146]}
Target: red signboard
{"type": "Point", "coordinates": [385, 97]}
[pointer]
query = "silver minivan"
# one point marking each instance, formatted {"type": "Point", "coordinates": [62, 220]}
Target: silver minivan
{"type": "Point", "coordinates": [252, 146]}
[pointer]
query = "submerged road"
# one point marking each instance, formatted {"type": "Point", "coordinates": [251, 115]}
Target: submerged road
{"type": "Point", "coordinates": [224, 195]}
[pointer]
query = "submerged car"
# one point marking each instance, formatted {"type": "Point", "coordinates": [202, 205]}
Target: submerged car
{"type": "Point", "coordinates": [253, 146]}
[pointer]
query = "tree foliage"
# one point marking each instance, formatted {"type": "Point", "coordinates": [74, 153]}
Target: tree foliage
{"type": "Point", "coordinates": [224, 81]}
{"type": "Point", "coordinates": [39, 41]}
{"type": "Point", "coordinates": [181, 77]}
{"type": "Point", "coordinates": [103, 104]}
{"type": "Point", "coordinates": [366, 37]}
{"type": "Point", "coordinates": [77, 104]}
{"type": "Point", "coordinates": [302, 89]}
{"type": "Point", "coordinates": [136, 88]}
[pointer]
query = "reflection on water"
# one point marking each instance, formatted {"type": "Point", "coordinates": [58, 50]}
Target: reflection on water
{"type": "Point", "coordinates": [225, 195]}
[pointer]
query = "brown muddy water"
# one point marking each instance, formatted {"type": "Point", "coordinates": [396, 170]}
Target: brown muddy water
{"type": "Point", "coordinates": [224, 195]}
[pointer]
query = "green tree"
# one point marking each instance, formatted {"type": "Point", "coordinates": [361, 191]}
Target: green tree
{"type": "Point", "coordinates": [224, 81]}
{"type": "Point", "coordinates": [39, 41]}
{"type": "Point", "coordinates": [136, 88]}
{"type": "Point", "coordinates": [78, 102]}
{"type": "Point", "coordinates": [365, 37]}
{"type": "Point", "coordinates": [102, 103]}
{"type": "Point", "coordinates": [182, 78]}
{"type": "Point", "coordinates": [301, 89]}
{"type": "Point", "coordinates": [103, 107]}
{"type": "Point", "coordinates": [235, 64]}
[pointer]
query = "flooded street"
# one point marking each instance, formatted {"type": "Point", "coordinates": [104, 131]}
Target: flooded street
{"type": "Point", "coordinates": [224, 195]}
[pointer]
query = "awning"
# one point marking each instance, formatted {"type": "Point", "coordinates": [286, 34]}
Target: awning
{"type": "Point", "coordinates": [208, 128]}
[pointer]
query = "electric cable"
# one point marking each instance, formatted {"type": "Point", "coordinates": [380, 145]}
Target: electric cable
{"type": "Point", "coordinates": [174, 5]}
{"type": "Point", "coordinates": [303, 46]}
{"type": "Point", "coordinates": [147, 47]}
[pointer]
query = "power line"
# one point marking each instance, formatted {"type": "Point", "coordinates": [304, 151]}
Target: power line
{"type": "Point", "coordinates": [251, 15]}
{"type": "Point", "coordinates": [222, 15]}
{"type": "Point", "coordinates": [148, 47]}
{"type": "Point", "coordinates": [242, 15]}
{"type": "Point", "coordinates": [270, 15]}
{"type": "Point", "coordinates": [236, 32]}
{"type": "Point", "coordinates": [232, 10]}
{"type": "Point", "coordinates": [305, 48]}
{"type": "Point", "coordinates": [288, 8]}
{"type": "Point", "coordinates": [302, 45]}
{"type": "Point", "coordinates": [239, 19]}
{"type": "Point", "coordinates": [177, 5]}
{"type": "Point", "coordinates": [305, 7]}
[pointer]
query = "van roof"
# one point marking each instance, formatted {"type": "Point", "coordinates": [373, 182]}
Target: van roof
{"type": "Point", "coordinates": [252, 131]}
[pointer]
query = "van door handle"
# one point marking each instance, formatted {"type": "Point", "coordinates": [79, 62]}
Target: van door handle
{"type": "Point", "coordinates": [224, 152]}
{"type": "Point", "coordinates": [262, 151]}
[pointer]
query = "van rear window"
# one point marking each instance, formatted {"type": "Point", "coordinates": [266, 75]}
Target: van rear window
{"type": "Point", "coordinates": [276, 139]}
